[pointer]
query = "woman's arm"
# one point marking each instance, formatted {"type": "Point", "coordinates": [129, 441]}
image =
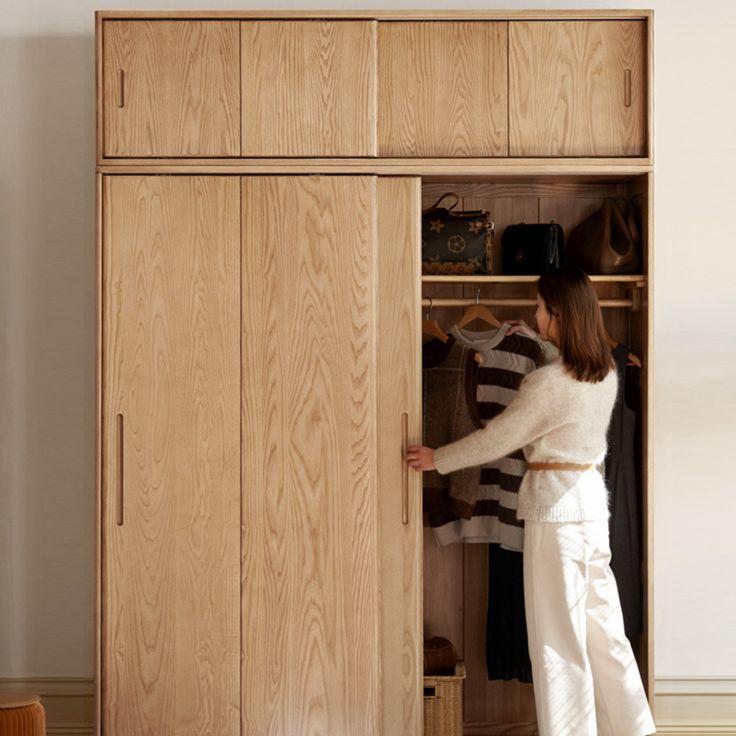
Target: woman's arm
{"type": "Point", "coordinates": [531, 414]}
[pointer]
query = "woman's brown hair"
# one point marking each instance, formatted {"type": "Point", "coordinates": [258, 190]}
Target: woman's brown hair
{"type": "Point", "coordinates": [569, 295]}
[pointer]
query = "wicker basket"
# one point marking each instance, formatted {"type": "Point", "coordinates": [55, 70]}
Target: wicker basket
{"type": "Point", "coordinates": [443, 703]}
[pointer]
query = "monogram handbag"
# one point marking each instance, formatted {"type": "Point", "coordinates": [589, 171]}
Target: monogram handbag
{"type": "Point", "coordinates": [607, 242]}
{"type": "Point", "coordinates": [456, 241]}
{"type": "Point", "coordinates": [532, 249]}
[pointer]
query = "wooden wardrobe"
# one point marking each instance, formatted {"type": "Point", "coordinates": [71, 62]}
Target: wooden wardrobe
{"type": "Point", "coordinates": [263, 565]}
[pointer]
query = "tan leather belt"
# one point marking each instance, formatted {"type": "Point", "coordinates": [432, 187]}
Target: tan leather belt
{"type": "Point", "coordinates": [562, 466]}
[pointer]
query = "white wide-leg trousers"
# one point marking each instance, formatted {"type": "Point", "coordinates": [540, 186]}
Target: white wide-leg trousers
{"type": "Point", "coordinates": [586, 681]}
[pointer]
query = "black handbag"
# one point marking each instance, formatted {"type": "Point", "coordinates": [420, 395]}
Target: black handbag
{"type": "Point", "coordinates": [456, 241]}
{"type": "Point", "coordinates": [533, 249]}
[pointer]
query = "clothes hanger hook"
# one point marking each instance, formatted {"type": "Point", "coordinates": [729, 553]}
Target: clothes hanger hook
{"type": "Point", "coordinates": [477, 295]}
{"type": "Point", "coordinates": [429, 309]}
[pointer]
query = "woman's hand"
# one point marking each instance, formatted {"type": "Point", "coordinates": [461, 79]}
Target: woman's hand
{"type": "Point", "coordinates": [420, 458]}
{"type": "Point", "coordinates": [518, 325]}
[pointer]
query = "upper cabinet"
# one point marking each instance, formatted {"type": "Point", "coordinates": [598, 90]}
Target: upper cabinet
{"type": "Point", "coordinates": [309, 88]}
{"type": "Point", "coordinates": [364, 88]}
{"type": "Point", "coordinates": [443, 89]}
{"type": "Point", "coordinates": [577, 88]}
{"type": "Point", "coordinates": [171, 88]}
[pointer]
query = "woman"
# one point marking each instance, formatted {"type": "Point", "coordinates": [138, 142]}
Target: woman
{"type": "Point", "coordinates": [586, 680]}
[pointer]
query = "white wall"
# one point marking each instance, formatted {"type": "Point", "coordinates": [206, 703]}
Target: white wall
{"type": "Point", "coordinates": [47, 330]}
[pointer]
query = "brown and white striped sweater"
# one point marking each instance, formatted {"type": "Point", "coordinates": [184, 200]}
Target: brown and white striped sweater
{"type": "Point", "coordinates": [505, 361]}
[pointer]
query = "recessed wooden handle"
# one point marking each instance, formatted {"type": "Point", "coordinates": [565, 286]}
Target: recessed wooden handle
{"type": "Point", "coordinates": [627, 87]}
{"type": "Point", "coordinates": [119, 469]}
{"type": "Point", "coordinates": [121, 88]}
{"type": "Point", "coordinates": [404, 469]}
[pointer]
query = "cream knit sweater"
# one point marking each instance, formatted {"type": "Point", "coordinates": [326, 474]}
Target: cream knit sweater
{"type": "Point", "coordinates": [553, 418]}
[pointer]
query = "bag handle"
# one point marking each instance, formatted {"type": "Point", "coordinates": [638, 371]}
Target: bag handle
{"type": "Point", "coordinates": [626, 221]}
{"type": "Point", "coordinates": [446, 194]}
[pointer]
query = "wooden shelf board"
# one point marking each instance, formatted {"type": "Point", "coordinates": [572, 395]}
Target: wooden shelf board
{"type": "Point", "coordinates": [506, 279]}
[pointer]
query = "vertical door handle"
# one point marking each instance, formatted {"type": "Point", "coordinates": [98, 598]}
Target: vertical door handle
{"type": "Point", "coordinates": [404, 468]}
{"type": "Point", "coordinates": [121, 88]}
{"type": "Point", "coordinates": [627, 87]}
{"type": "Point", "coordinates": [119, 469]}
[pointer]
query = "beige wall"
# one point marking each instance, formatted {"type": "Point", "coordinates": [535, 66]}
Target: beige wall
{"type": "Point", "coordinates": [47, 333]}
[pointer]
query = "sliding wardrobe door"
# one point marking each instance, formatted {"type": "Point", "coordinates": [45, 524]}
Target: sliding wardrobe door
{"type": "Point", "coordinates": [171, 455]}
{"type": "Point", "coordinates": [171, 88]}
{"type": "Point", "coordinates": [314, 655]}
{"type": "Point", "coordinates": [399, 363]}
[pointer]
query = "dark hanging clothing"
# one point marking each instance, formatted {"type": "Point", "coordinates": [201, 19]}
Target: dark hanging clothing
{"type": "Point", "coordinates": [446, 418]}
{"type": "Point", "coordinates": [456, 396]}
{"type": "Point", "coordinates": [507, 645]}
{"type": "Point", "coordinates": [623, 467]}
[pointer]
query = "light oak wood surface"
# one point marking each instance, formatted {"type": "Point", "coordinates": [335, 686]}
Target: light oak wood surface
{"type": "Point", "coordinates": [310, 617]}
{"type": "Point", "coordinates": [311, 561]}
{"type": "Point", "coordinates": [170, 512]}
{"type": "Point", "coordinates": [171, 88]}
{"type": "Point", "coordinates": [389, 15]}
{"type": "Point", "coordinates": [399, 403]}
{"type": "Point", "coordinates": [429, 169]}
{"type": "Point", "coordinates": [309, 88]}
{"type": "Point", "coordinates": [577, 88]}
{"type": "Point", "coordinates": [443, 89]}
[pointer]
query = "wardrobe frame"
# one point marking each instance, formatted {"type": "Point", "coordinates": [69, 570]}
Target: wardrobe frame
{"type": "Point", "coordinates": [434, 168]}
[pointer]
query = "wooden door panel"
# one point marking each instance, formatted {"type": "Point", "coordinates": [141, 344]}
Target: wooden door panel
{"type": "Point", "coordinates": [309, 88]}
{"type": "Point", "coordinates": [179, 93]}
{"type": "Point", "coordinates": [399, 419]}
{"type": "Point", "coordinates": [577, 88]}
{"type": "Point", "coordinates": [443, 89]}
{"type": "Point", "coordinates": [310, 610]}
{"type": "Point", "coordinates": [171, 511]}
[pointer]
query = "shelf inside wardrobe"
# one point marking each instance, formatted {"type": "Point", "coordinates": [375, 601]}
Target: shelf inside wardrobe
{"type": "Point", "coordinates": [635, 279]}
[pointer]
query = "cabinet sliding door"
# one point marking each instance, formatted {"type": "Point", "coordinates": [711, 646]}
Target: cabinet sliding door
{"type": "Point", "coordinates": [171, 456]}
{"type": "Point", "coordinates": [315, 658]}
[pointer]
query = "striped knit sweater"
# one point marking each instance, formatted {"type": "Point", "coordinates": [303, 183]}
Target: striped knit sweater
{"type": "Point", "coordinates": [490, 387]}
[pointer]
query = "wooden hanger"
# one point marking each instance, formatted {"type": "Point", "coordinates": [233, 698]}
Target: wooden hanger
{"type": "Point", "coordinates": [633, 359]}
{"type": "Point", "coordinates": [478, 311]}
{"type": "Point", "coordinates": [432, 326]}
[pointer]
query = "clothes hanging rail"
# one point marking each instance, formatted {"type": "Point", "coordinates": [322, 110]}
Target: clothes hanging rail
{"type": "Point", "coordinates": [508, 302]}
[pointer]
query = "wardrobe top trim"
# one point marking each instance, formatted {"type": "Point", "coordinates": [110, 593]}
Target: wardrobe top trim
{"type": "Point", "coordinates": [465, 168]}
{"type": "Point", "coordinates": [383, 15]}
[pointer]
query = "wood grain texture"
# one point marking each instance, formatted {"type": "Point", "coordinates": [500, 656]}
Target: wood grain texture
{"type": "Point", "coordinates": [171, 604]}
{"type": "Point", "coordinates": [309, 88]}
{"type": "Point", "coordinates": [566, 88]}
{"type": "Point", "coordinates": [443, 89]}
{"type": "Point", "coordinates": [181, 88]}
{"type": "Point", "coordinates": [432, 169]}
{"type": "Point", "coordinates": [389, 15]}
{"type": "Point", "coordinates": [99, 399]}
{"type": "Point", "coordinates": [310, 565]}
{"type": "Point", "coordinates": [99, 91]}
{"type": "Point", "coordinates": [399, 390]}
{"type": "Point", "coordinates": [646, 325]}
